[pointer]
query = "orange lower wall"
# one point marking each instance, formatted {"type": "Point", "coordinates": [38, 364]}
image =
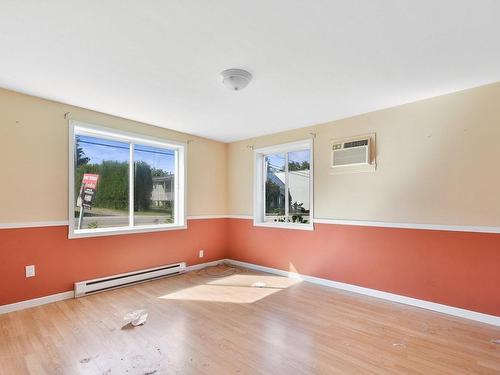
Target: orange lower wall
{"type": "Point", "coordinates": [60, 262]}
{"type": "Point", "coordinates": [459, 269]}
{"type": "Point", "coordinates": [453, 268]}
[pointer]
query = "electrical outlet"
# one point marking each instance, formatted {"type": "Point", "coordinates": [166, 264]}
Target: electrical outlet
{"type": "Point", "coordinates": [202, 253]}
{"type": "Point", "coordinates": [30, 271]}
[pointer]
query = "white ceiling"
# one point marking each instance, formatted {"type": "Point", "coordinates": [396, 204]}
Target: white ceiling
{"type": "Point", "coordinates": [312, 61]}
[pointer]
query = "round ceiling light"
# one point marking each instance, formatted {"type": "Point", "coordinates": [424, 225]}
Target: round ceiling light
{"type": "Point", "coordinates": [236, 79]}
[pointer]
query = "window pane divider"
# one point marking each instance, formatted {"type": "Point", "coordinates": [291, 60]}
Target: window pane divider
{"type": "Point", "coordinates": [131, 175]}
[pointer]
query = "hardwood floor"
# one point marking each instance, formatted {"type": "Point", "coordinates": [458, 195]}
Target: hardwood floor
{"type": "Point", "coordinates": [202, 325]}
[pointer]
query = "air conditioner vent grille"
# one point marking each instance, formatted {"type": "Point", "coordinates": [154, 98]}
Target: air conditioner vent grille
{"type": "Point", "coordinates": [363, 142]}
{"type": "Point", "coordinates": [350, 156]}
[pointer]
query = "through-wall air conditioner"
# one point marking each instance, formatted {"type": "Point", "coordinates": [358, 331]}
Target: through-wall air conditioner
{"type": "Point", "coordinates": [353, 154]}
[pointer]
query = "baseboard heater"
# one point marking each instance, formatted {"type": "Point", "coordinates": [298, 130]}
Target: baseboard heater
{"type": "Point", "coordinates": [84, 288]}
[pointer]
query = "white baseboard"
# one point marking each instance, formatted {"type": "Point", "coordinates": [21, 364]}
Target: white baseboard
{"type": "Point", "coordinates": [445, 309]}
{"type": "Point", "coordinates": [196, 267]}
{"type": "Point", "coordinates": [36, 302]}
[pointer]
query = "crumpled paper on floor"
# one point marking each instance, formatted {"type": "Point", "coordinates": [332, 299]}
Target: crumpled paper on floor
{"type": "Point", "coordinates": [136, 318]}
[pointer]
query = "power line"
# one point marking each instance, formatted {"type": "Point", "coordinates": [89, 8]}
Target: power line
{"type": "Point", "coordinates": [170, 153]}
{"type": "Point", "coordinates": [102, 144]}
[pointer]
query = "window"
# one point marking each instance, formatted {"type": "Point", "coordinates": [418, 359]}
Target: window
{"type": "Point", "coordinates": [122, 183]}
{"type": "Point", "coordinates": [283, 186]}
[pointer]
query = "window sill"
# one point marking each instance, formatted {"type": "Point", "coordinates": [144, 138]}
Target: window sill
{"type": "Point", "coordinates": [284, 226]}
{"type": "Point", "coordinates": [99, 232]}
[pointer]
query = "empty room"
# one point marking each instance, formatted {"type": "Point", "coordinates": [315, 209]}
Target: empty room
{"type": "Point", "coordinates": [249, 187]}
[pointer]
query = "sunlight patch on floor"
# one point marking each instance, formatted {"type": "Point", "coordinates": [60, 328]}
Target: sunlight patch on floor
{"type": "Point", "coordinates": [234, 289]}
{"type": "Point", "coordinates": [278, 282]}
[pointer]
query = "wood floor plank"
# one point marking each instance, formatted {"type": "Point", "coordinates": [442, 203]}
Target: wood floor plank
{"type": "Point", "coordinates": [230, 325]}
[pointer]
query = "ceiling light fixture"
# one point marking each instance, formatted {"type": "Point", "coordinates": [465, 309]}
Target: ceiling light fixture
{"type": "Point", "coordinates": [236, 79]}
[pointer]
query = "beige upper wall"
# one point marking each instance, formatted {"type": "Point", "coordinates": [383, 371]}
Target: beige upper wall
{"type": "Point", "coordinates": [437, 163]}
{"type": "Point", "coordinates": [34, 155]}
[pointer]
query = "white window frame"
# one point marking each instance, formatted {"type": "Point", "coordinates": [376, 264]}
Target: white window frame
{"type": "Point", "coordinates": [180, 148]}
{"type": "Point", "coordinates": [260, 183]}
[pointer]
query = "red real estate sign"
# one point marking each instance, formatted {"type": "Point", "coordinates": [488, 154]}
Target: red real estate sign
{"type": "Point", "coordinates": [87, 191]}
{"type": "Point", "coordinates": [90, 180]}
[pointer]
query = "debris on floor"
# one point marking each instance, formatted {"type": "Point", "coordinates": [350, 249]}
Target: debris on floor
{"type": "Point", "coordinates": [220, 270]}
{"type": "Point", "coordinates": [259, 284]}
{"type": "Point", "coordinates": [495, 341]}
{"type": "Point", "coordinates": [136, 318]}
{"type": "Point", "coordinates": [88, 359]}
{"type": "Point", "coordinates": [399, 345]}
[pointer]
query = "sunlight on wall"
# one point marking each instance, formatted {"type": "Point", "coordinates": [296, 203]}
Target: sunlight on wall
{"type": "Point", "coordinates": [291, 268]}
{"type": "Point", "coordinates": [234, 289]}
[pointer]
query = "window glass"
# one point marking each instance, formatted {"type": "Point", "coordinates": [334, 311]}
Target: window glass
{"type": "Point", "coordinates": [275, 188]}
{"type": "Point", "coordinates": [283, 186]}
{"type": "Point", "coordinates": [101, 183]}
{"type": "Point", "coordinates": [154, 182]}
{"type": "Point", "coordinates": [298, 186]}
{"type": "Point", "coordinates": [105, 163]}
